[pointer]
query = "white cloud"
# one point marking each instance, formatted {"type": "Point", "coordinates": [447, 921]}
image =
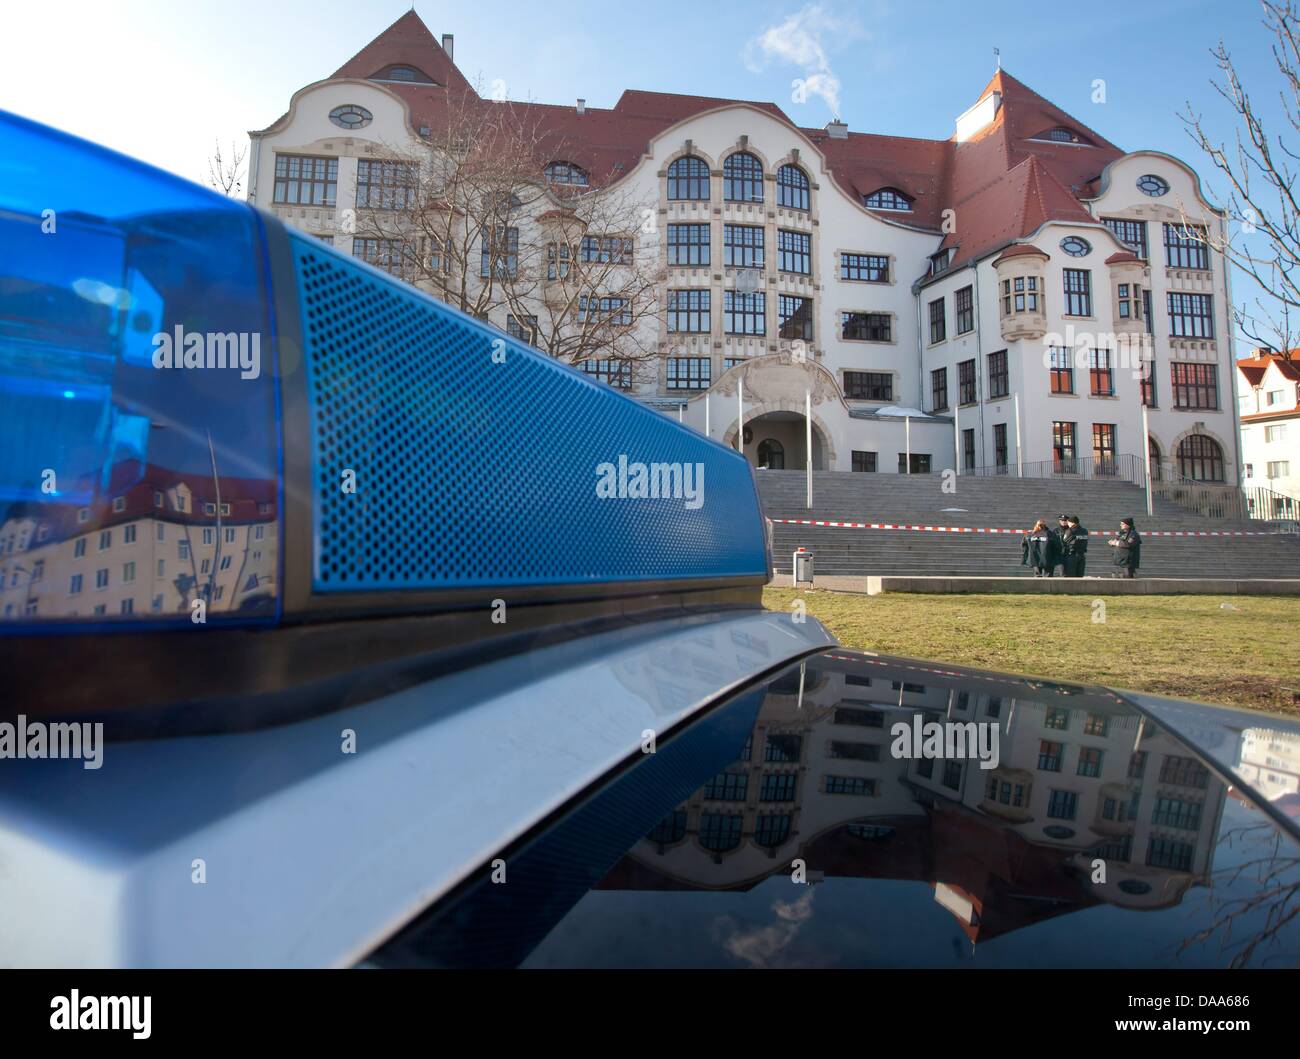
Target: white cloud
{"type": "Point", "coordinates": [805, 40]}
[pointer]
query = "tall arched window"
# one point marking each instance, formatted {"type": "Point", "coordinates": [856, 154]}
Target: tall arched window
{"type": "Point", "coordinates": [742, 178]}
{"type": "Point", "coordinates": [688, 180]}
{"type": "Point", "coordinates": [771, 454]}
{"type": "Point", "coordinates": [792, 187]}
{"type": "Point", "coordinates": [1200, 458]}
{"type": "Point", "coordinates": [1153, 459]}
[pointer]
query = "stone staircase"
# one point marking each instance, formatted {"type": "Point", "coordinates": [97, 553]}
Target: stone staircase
{"type": "Point", "coordinates": [1004, 503]}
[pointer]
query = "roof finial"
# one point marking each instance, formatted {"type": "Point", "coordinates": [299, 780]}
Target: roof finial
{"type": "Point", "coordinates": [997, 54]}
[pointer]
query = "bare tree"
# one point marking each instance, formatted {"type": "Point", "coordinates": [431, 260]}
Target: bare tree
{"type": "Point", "coordinates": [226, 173]}
{"type": "Point", "coordinates": [471, 215]}
{"type": "Point", "coordinates": [1259, 169]}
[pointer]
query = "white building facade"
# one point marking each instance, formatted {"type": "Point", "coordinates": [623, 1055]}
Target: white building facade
{"type": "Point", "coordinates": [1268, 397]}
{"type": "Point", "coordinates": [1011, 299]}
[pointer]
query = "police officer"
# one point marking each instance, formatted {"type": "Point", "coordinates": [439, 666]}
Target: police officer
{"type": "Point", "coordinates": [1074, 546]}
{"type": "Point", "coordinates": [1062, 524]}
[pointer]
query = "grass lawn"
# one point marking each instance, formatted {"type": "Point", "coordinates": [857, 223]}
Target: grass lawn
{"type": "Point", "coordinates": [1192, 647]}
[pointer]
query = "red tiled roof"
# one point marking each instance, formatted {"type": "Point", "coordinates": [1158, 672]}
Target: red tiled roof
{"type": "Point", "coordinates": [1003, 183]}
{"type": "Point", "coordinates": [1123, 256]}
{"type": "Point", "coordinates": [1255, 367]}
{"type": "Point", "coordinates": [1020, 250]}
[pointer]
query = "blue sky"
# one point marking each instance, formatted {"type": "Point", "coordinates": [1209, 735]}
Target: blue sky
{"type": "Point", "coordinates": [118, 72]}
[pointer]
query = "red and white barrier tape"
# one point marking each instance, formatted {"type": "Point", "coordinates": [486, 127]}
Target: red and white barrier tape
{"type": "Point", "coordinates": [1018, 532]}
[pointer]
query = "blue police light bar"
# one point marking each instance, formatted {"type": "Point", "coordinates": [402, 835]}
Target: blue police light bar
{"type": "Point", "coordinates": [202, 410]}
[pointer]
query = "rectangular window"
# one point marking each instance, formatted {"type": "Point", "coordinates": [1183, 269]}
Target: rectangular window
{"type": "Point", "coordinates": [968, 449]}
{"type": "Point", "coordinates": [860, 718]}
{"type": "Point", "coordinates": [1062, 369]}
{"type": "Point", "coordinates": [1089, 761]}
{"type": "Point", "coordinates": [1103, 447]}
{"type": "Point", "coordinates": [101, 578]}
{"type": "Point", "coordinates": [855, 751]}
{"type": "Point", "coordinates": [869, 385]}
{"type": "Point", "coordinates": [864, 461]}
{"type": "Point", "coordinates": [1177, 813]}
{"type": "Point", "coordinates": [500, 252]}
{"type": "Point", "coordinates": [1057, 719]}
{"type": "Point", "coordinates": [939, 390]}
{"type": "Point", "coordinates": [1132, 234]}
{"type": "Point", "coordinates": [105, 540]}
{"type": "Point", "coordinates": [1191, 315]}
{"type": "Point", "coordinates": [74, 586]}
{"type": "Point", "coordinates": [615, 373]}
{"type": "Point", "coordinates": [79, 549]}
{"type": "Point", "coordinates": [1186, 246]}
{"type": "Point", "coordinates": [302, 181]}
{"type": "Point", "coordinates": [1049, 756]}
{"type": "Point", "coordinates": [688, 244]}
{"type": "Point", "coordinates": [523, 329]}
{"type": "Point", "coordinates": [794, 252]}
{"type": "Point", "coordinates": [1062, 805]}
{"type": "Point", "coordinates": [1274, 432]}
{"type": "Point", "coordinates": [920, 463]}
{"type": "Point", "coordinates": [612, 311]}
{"type": "Point", "coordinates": [850, 785]}
{"type": "Point", "coordinates": [1063, 451]}
{"type": "Point", "coordinates": [606, 250]}
{"type": "Point", "coordinates": [1169, 853]}
{"type": "Point", "coordinates": [1184, 772]}
{"type": "Point", "coordinates": [783, 748]}
{"type": "Point", "coordinates": [865, 327]}
{"type": "Point", "coordinates": [688, 311]}
{"type": "Point", "coordinates": [1078, 291]}
{"type": "Point", "coordinates": [744, 314]}
{"type": "Point", "coordinates": [964, 304]}
{"type": "Point", "coordinates": [1279, 469]}
{"type": "Point", "coordinates": [1196, 386]}
{"type": "Point", "coordinates": [742, 246]}
{"type": "Point", "coordinates": [1000, 445]}
{"type": "Point", "coordinates": [1020, 295]}
{"type": "Point", "coordinates": [1096, 724]}
{"type": "Point", "coordinates": [864, 268]}
{"type": "Point", "coordinates": [999, 378]}
{"type": "Point", "coordinates": [795, 317]}
{"type": "Point", "coordinates": [727, 787]}
{"type": "Point", "coordinates": [1101, 376]}
{"type": "Point", "coordinates": [778, 787]}
{"type": "Point", "coordinates": [938, 322]}
{"type": "Point", "coordinates": [558, 258]}
{"type": "Point", "coordinates": [386, 185]}
{"type": "Point", "coordinates": [966, 382]}
{"type": "Point", "coordinates": [689, 373]}
{"type": "Point", "coordinates": [1147, 381]}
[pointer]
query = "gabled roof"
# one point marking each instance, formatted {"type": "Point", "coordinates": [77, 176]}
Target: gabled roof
{"type": "Point", "coordinates": [1003, 182]}
{"type": "Point", "coordinates": [1254, 368]}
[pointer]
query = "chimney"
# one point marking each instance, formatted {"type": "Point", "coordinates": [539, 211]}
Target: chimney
{"type": "Point", "coordinates": [582, 106]}
{"type": "Point", "coordinates": [449, 46]}
{"type": "Point", "coordinates": [837, 130]}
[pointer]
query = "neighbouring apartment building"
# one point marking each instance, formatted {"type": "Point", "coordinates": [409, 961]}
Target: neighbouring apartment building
{"type": "Point", "coordinates": [1268, 397]}
{"type": "Point", "coordinates": [1015, 294]}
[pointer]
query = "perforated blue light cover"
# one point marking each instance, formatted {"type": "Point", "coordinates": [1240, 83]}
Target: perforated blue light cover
{"type": "Point", "coordinates": [469, 469]}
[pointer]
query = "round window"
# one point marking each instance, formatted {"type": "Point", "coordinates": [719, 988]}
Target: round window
{"type": "Point", "coordinates": [351, 116]}
{"type": "Point", "coordinates": [1058, 832]}
{"type": "Point", "coordinates": [1135, 887]}
{"type": "Point", "coordinates": [1075, 246]}
{"type": "Point", "coordinates": [1150, 184]}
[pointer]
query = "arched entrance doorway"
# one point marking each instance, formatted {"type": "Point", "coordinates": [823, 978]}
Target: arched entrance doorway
{"type": "Point", "coordinates": [777, 441]}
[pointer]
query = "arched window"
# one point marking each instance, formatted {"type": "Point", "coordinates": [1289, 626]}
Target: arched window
{"type": "Point", "coordinates": [401, 73]}
{"type": "Point", "coordinates": [771, 454]}
{"type": "Point", "coordinates": [688, 180]}
{"type": "Point", "coordinates": [887, 199]}
{"type": "Point", "coordinates": [742, 178]}
{"type": "Point", "coordinates": [792, 187]}
{"type": "Point", "coordinates": [566, 173]}
{"type": "Point", "coordinates": [1153, 459]}
{"type": "Point", "coordinates": [672, 828]}
{"type": "Point", "coordinates": [1200, 458]}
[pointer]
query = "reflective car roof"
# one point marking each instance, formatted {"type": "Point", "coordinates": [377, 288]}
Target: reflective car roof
{"type": "Point", "coordinates": [788, 828]}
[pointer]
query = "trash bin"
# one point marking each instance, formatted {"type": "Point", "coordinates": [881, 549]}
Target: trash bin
{"type": "Point", "coordinates": [803, 567]}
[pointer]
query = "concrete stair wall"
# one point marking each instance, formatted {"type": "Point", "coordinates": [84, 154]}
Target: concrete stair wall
{"type": "Point", "coordinates": [1003, 503]}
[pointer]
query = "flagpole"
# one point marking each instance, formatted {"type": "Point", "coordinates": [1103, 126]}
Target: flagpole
{"type": "Point", "coordinates": [1020, 463]}
{"type": "Point", "coordinates": [956, 437]}
{"type": "Point", "coordinates": [1146, 458]}
{"type": "Point", "coordinates": [808, 440]}
{"type": "Point", "coordinates": [740, 416]}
